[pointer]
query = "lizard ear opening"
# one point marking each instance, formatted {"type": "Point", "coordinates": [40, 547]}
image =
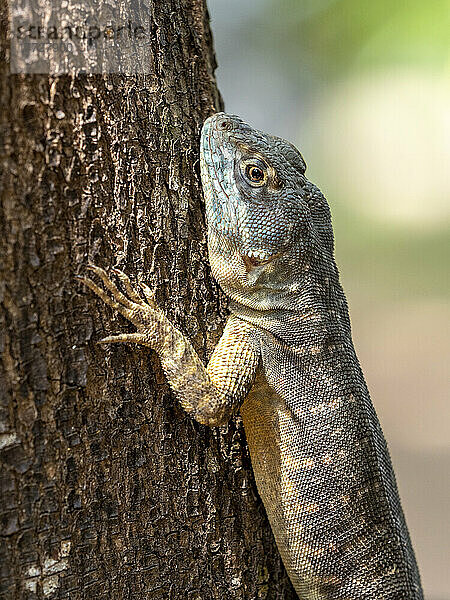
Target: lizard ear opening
{"type": "Point", "coordinates": [297, 161]}
{"type": "Point", "coordinates": [294, 157]}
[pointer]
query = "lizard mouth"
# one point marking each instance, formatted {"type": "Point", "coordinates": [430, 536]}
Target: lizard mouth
{"type": "Point", "coordinates": [255, 259]}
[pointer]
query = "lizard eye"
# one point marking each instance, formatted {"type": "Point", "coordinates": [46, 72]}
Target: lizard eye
{"type": "Point", "coordinates": [255, 174]}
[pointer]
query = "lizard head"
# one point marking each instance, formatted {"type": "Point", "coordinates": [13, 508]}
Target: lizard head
{"type": "Point", "coordinates": [265, 220]}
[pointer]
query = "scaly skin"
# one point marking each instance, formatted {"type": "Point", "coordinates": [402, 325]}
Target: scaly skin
{"type": "Point", "coordinates": [319, 456]}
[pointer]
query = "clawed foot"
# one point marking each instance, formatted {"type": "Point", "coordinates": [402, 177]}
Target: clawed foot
{"type": "Point", "coordinates": [145, 315]}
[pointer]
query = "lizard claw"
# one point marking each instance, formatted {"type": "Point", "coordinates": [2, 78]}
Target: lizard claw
{"type": "Point", "coordinates": [145, 315]}
{"type": "Point", "coordinates": [149, 295]}
{"type": "Point", "coordinates": [128, 338]}
{"type": "Point", "coordinates": [127, 285]}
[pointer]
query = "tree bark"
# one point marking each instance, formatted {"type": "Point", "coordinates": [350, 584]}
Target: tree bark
{"type": "Point", "coordinates": [108, 489]}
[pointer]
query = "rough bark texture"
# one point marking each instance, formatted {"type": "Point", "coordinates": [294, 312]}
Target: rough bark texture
{"type": "Point", "coordinates": [108, 489]}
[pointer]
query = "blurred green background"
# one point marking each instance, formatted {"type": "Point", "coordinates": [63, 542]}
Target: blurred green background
{"type": "Point", "coordinates": [363, 90]}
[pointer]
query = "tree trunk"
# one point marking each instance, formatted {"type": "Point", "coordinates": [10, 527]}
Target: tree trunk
{"type": "Point", "coordinates": [108, 489]}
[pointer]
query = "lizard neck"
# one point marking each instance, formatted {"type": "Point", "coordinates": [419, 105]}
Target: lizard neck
{"type": "Point", "coordinates": [313, 315]}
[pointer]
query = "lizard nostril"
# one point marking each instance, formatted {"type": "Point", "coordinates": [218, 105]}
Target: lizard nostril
{"type": "Point", "coordinates": [224, 125]}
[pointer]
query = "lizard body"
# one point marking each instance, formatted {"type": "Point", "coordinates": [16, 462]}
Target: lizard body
{"type": "Point", "coordinates": [286, 359]}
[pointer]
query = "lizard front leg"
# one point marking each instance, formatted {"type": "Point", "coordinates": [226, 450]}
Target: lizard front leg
{"type": "Point", "coordinates": [210, 394]}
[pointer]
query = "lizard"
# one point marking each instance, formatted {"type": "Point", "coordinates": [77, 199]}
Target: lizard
{"type": "Point", "coordinates": [286, 360]}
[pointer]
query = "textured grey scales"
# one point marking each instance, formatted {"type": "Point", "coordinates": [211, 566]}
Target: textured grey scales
{"type": "Point", "coordinates": [286, 359]}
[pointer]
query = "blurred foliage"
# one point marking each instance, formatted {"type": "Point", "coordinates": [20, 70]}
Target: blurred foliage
{"type": "Point", "coordinates": [391, 261]}
{"type": "Point", "coordinates": [330, 37]}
